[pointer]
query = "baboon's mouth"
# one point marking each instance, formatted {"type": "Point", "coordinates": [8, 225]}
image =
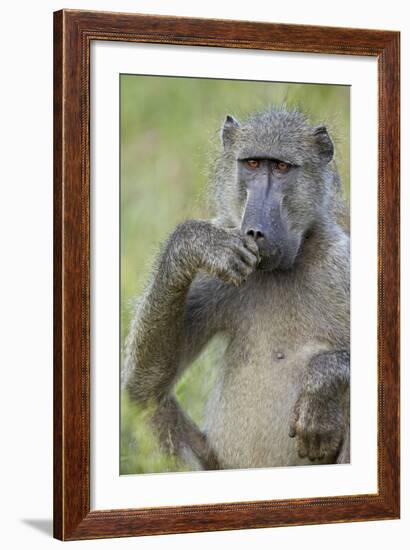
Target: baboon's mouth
{"type": "Point", "coordinates": [279, 261]}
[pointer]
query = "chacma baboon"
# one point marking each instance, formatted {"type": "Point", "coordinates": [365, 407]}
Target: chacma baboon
{"type": "Point", "coordinates": [271, 274]}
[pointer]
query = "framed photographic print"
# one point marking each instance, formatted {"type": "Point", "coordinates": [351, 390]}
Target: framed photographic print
{"type": "Point", "coordinates": [226, 280]}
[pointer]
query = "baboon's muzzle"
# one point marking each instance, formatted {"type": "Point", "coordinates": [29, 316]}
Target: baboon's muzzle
{"type": "Point", "coordinates": [264, 221]}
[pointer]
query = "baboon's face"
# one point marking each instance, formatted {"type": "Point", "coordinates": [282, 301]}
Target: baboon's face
{"type": "Point", "coordinates": [267, 181]}
{"type": "Point", "coordinates": [280, 163]}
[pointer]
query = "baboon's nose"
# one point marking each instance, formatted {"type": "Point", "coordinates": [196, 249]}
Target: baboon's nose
{"type": "Point", "coordinates": [256, 234]}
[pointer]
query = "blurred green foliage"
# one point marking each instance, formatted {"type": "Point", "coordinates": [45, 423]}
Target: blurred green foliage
{"type": "Point", "coordinates": [169, 132]}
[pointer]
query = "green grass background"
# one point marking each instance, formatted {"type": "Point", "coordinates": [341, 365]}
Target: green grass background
{"type": "Point", "coordinates": [170, 128]}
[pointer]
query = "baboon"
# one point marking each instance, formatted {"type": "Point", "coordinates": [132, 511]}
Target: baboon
{"type": "Point", "coordinates": [270, 274]}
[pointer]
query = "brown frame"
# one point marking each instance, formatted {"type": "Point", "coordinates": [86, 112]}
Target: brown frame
{"type": "Point", "coordinates": [73, 33]}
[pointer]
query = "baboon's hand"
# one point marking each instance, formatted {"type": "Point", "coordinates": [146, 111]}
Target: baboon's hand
{"type": "Point", "coordinates": [228, 255]}
{"type": "Point", "coordinates": [223, 253]}
{"type": "Point", "coordinates": [317, 423]}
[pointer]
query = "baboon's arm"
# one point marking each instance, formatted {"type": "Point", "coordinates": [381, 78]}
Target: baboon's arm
{"type": "Point", "coordinates": [169, 331]}
{"type": "Point", "coordinates": [321, 415]}
{"type": "Point", "coordinates": [179, 313]}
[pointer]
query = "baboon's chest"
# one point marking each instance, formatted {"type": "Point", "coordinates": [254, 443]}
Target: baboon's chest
{"type": "Point", "coordinates": [269, 347]}
{"type": "Point", "coordinates": [274, 315]}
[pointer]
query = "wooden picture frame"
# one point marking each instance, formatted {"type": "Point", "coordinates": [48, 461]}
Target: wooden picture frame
{"type": "Point", "coordinates": [74, 32]}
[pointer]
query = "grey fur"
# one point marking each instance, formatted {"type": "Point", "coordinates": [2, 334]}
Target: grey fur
{"type": "Point", "coordinates": [282, 397]}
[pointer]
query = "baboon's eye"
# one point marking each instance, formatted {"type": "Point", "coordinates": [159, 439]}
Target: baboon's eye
{"type": "Point", "coordinates": [282, 166]}
{"type": "Point", "coordinates": [252, 164]}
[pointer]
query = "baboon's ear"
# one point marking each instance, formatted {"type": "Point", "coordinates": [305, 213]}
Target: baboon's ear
{"type": "Point", "coordinates": [324, 144]}
{"type": "Point", "coordinates": [230, 127]}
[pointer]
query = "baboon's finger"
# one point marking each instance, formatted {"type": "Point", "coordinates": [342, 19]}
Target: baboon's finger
{"type": "Point", "coordinates": [243, 268]}
{"type": "Point", "coordinates": [251, 245]}
{"type": "Point", "coordinates": [325, 445]}
{"type": "Point", "coordinates": [303, 447]}
{"type": "Point", "coordinates": [248, 257]}
{"type": "Point", "coordinates": [314, 447]}
{"type": "Point", "coordinates": [293, 421]}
